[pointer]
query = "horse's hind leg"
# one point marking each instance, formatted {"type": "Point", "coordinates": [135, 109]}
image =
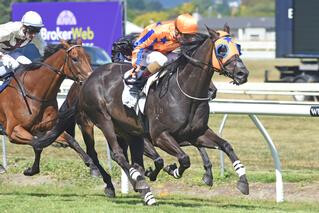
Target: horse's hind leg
{"type": "Point", "coordinates": [211, 140]}
{"type": "Point", "coordinates": [167, 143]}
{"type": "Point", "coordinates": [88, 136]}
{"type": "Point", "coordinates": [208, 176]}
{"type": "Point", "coordinates": [150, 152]}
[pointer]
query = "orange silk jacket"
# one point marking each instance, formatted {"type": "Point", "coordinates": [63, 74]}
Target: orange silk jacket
{"type": "Point", "coordinates": [159, 36]}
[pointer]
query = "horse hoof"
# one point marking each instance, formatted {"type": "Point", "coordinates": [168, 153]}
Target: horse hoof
{"type": "Point", "coordinates": [2, 169]}
{"type": "Point", "coordinates": [141, 185]}
{"type": "Point", "coordinates": [109, 192]}
{"type": "Point", "coordinates": [243, 187]}
{"type": "Point", "coordinates": [30, 172]}
{"type": "Point", "coordinates": [95, 173]}
{"type": "Point", "coordinates": [208, 180]}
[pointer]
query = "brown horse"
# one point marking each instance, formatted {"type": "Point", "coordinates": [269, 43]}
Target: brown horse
{"type": "Point", "coordinates": [176, 110]}
{"type": "Point", "coordinates": [28, 106]}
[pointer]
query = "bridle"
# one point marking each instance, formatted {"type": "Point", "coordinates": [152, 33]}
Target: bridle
{"type": "Point", "coordinates": [204, 65]}
{"type": "Point", "coordinates": [51, 68]}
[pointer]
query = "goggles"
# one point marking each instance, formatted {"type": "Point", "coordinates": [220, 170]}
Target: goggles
{"type": "Point", "coordinates": [32, 30]}
{"type": "Point", "coordinates": [222, 50]}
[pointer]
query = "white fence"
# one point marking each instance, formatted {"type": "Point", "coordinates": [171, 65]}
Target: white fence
{"type": "Point", "coordinates": [252, 109]}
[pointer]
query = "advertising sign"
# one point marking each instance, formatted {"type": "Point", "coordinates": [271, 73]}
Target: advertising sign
{"type": "Point", "coordinates": [97, 23]}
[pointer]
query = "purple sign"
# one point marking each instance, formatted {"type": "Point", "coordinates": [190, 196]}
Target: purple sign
{"type": "Point", "coordinates": [97, 23]}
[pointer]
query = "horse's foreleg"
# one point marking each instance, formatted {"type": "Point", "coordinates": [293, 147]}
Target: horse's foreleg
{"type": "Point", "coordinates": [208, 176]}
{"type": "Point", "coordinates": [168, 144]}
{"type": "Point", "coordinates": [20, 135]}
{"type": "Point", "coordinates": [211, 140]}
{"type": "Point", "coordinates": [150, 152]}
{"type": "Point", "coordinates": [88, 136]}
{"type": "Point", "coordinates": [135, 177]}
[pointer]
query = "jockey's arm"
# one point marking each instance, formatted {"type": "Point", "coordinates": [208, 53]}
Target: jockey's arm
{"type": "Point", "coordinates": [151, 36]}
{"type": "Point", "coordinates": [4, 34]}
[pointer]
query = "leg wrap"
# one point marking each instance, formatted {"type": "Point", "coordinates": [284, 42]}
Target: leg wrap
{"type": "Point", "coordinates": [239, 168]}
{"type": "Point", "coordinates": [149, 199]}
{"type": "Point", "coordinates": [134, 173]}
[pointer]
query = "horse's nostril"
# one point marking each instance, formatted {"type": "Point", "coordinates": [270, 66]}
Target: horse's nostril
{"type": "Point", "coordinates": [240, 74]}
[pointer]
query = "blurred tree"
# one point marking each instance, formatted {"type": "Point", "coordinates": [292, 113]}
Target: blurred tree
{"type": "Point", "coordinates": [153, 6]}
{"type": "Point", "coordinates": [135, 4]}
{"type": "Point", "coordinates": [257, 8]}
{"type": "Point", "coordinates": [148, 18]}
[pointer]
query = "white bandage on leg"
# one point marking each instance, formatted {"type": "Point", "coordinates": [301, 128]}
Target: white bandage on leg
{"type": "Point", "coordinates": [239, 168]}
{"type": "Point", "coordinates": [134, 173]}
{"type": "Point", "coordinates": [158, 57]}
{"type": "Point", "coordinates": [176, 173]}
{"type": "Point", "coordinates": [149, 199]}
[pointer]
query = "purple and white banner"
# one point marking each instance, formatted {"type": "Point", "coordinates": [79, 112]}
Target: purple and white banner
{"type": "Point", "coordinates": [97, 23]}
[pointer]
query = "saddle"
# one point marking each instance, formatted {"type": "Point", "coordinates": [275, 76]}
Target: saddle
{"type": "Point", "coordinates": [6, 79]}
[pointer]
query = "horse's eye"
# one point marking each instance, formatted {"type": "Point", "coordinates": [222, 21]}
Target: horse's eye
{"type": "Point", "coordinates": [75, 60]}
{"type": "Point", "coordinates": [221, 51]}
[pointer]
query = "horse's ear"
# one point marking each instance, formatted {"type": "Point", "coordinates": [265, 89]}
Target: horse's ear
{"type": "Point", "coordinates": [79, 41]}
{"type": "Point", "coordinates": [226, 28]}
{"type": "Point", "coordinates": [65, 44]}
{"type": "Point", "coordinates": [213, 34]}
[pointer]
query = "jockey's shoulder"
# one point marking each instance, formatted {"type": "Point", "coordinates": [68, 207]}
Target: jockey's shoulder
{"type": "Point", "coordinates": [11, 26]}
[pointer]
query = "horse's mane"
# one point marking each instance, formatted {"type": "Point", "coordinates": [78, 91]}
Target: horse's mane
{"type": "Point", "coordinates": [49, 51]}
{"type": "Point", "coordinates": [189, 48]}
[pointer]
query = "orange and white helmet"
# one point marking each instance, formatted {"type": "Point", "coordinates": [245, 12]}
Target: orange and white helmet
{"type": "Point", "coordinates": [186, 23]}
{"type": "Point", "coordinates": [32, 19]}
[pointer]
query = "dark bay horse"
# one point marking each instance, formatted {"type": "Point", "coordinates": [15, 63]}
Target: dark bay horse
{"type": "Point", "coordinates": [176, 110]}
{"type": "Point", "coordinates": [28, 106]}
{"type": "Point", "coordinates": [87, 130]}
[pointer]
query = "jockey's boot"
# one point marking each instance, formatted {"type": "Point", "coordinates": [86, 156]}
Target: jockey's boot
{"type": "Point", "coordinates": [142, 77]}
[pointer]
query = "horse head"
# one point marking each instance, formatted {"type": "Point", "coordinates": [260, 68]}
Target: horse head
{"type": "Point", "coordinates": [76, 63]}
{"type": "Point", "coordinates": [226, 56]}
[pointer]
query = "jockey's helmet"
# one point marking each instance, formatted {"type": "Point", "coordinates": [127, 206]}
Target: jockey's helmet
{"type": "Point", "coordinates": [32, 19]}
{"type": "Point", "coordinates": [186, 23]}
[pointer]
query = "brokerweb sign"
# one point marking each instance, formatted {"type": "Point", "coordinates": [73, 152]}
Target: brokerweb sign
{"type": "Point", "coordinates": [97, 23]}
{"type": "Point", "coordinates": [66, 29]}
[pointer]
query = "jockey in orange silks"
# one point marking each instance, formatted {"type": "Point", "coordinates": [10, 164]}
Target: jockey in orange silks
{"type": "Point", "coordinates": [156, 44]}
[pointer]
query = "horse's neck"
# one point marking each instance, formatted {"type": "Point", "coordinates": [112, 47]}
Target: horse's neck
{"type": "Point", "coordinates": [194, 80]}
{"type": "Point", "coordinates": [46, 82]}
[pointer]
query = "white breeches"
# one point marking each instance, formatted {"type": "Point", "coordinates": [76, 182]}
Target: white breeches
{"type": "Point", "coordinates": [150, 57]}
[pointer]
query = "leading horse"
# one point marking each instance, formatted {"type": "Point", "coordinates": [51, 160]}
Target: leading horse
{"type": "Point", "coordinates": [176, 109]}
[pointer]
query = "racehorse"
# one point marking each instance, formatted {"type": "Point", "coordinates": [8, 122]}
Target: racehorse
{"type": "Point", "coordinates": [87, 130]}
{"type": "Point", "coordinates": [28, 106]}
{"type": "Point", "coordinates": [176, 109]}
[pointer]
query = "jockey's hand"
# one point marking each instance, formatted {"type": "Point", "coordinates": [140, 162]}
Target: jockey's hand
{"type": "Point", "coordinates": [9, 62]}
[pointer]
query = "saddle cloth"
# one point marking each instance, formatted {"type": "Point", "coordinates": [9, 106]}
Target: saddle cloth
{"type": "Point", "coordinates": [131, 101]}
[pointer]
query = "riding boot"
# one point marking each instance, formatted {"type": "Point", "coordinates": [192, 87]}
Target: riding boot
{"type": "Point", "coordinates": [142, 77]}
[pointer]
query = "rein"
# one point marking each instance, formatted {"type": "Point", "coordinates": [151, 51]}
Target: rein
{"type": "Point", "coordinates": [60, 72]}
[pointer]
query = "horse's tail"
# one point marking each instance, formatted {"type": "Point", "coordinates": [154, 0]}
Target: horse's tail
{"type": "Point", "coordinates": [66, 118]}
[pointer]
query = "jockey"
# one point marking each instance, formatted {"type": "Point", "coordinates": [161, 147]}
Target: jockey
{"type": "Point", "coordinates": [18, 34]}
{"type": "Point", "coordinates": [155, 46]}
